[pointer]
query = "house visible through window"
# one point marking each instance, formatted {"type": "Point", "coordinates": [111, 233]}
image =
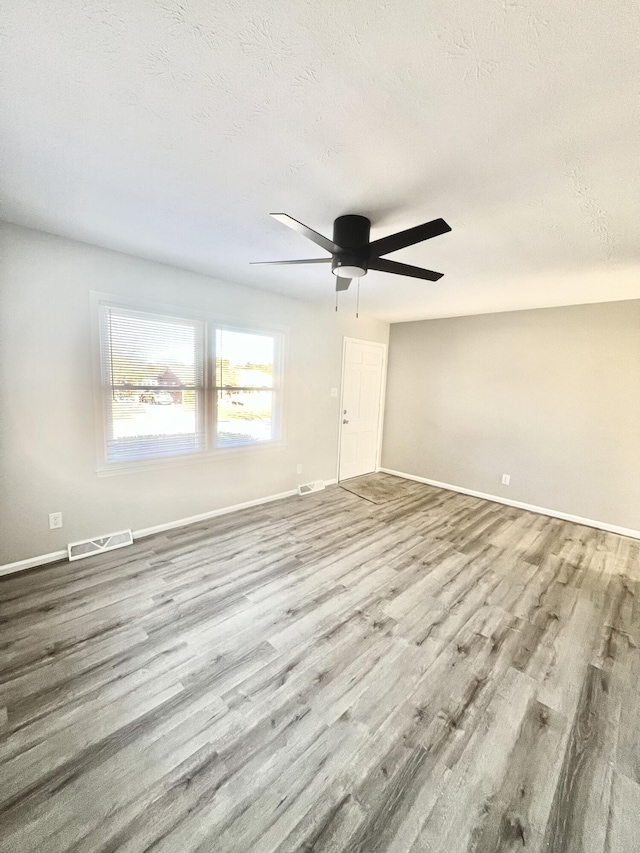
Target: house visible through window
{"type": "Point", "coordinates": [157, 400]}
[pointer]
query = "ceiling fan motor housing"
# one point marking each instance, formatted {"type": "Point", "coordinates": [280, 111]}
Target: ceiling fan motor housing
{"type": "Point", "coordinates": [351, 233]}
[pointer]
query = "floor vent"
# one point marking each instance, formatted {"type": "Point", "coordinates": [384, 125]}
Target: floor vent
{"type": "Point", "coordinates": [88, 547]}
{"type": "Point", "coordinates": [318, 486]}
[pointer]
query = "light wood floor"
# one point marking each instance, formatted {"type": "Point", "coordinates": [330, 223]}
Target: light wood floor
{"type": "Point", "coordinates": [437, 673]}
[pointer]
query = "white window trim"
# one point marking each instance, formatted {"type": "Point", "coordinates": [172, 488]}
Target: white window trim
{"type": "Point", "coordinates": [209, 319]}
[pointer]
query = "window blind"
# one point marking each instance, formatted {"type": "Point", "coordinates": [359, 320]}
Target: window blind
{"type": "Point", "coordinates": [153, 383]}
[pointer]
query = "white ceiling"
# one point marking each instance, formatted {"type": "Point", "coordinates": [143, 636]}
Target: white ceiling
{"type": "Point", "coordinates": [171, 128]}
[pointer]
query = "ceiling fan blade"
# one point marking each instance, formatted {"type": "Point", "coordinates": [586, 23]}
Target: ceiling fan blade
{"type": "Point", "coordinates": [290, 222]}
{"type": "Point", "coordinates": [407, 238]}
{"type": "Point", "coordinates": [342, 283]}
{"type": "Point", "coordinates": [305, 261]}
{"type": "Point", "coordinates": [383, 265]}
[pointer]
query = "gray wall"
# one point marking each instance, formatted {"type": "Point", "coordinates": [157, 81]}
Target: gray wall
{"type": "Point", "coordinates": [48, 450]}
{"type": "Point", "coordinates": [549, 396]}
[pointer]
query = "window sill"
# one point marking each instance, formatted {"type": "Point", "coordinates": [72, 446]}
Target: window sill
{"type": "Point", "coordinates": [206, 456]}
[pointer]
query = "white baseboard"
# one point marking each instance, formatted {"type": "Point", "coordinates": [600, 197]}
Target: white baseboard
{"type": "Point", "coordinates": [54, 556]}
{"type": "Point", "coordinates": [541, 510]}
{"type": "Point", "coordinates": [214, 513]}
{"type": "Point", "coordinates": [32, 562]}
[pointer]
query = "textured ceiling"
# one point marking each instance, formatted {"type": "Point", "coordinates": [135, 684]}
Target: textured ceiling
{"type": "Point", "coordinates": [170, 129]}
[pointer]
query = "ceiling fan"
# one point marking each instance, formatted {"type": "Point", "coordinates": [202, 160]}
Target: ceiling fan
{"type": "Point", "coordinates": [352, 255]}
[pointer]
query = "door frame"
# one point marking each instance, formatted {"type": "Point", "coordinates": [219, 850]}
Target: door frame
{"type": "Point", "coordinates": [383, 392]}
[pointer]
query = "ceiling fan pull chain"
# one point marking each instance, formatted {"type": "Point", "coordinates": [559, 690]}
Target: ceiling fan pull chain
{"type": "Point", "coordinates": [336, 300]}
{"type": "Point", "coordinates": [358, 300]}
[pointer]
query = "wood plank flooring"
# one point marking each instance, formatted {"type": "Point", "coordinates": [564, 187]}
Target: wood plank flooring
{"type": "Point", "coordinates": [435, 673]}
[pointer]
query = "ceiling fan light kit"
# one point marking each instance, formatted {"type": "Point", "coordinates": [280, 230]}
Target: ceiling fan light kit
{"type": "Point", "coordinates": [345, 270]}
{"type": "Point", "coordinates": [352, 253]}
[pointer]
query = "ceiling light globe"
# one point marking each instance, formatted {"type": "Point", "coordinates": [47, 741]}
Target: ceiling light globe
{"type": "Point", "coordinates": [349, 272]}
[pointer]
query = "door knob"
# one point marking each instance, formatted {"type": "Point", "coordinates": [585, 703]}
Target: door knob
{"type": "Point", "coordinates": [345, 421]}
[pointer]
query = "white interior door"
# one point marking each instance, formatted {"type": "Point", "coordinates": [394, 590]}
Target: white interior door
{"type": "Point", "coordinates": [362, 383]}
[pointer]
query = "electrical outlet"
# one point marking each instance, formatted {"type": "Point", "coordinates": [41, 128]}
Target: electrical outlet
{"type": "Point", "coordinates": [506, 479]}
{"type": "Point", "coordinates": [298, 469]}
{"type": "Point", "coordinates": [55, 520]}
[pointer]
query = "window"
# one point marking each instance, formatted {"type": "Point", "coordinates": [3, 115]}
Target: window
{"type": "Point", "coordinates": [244, 387]}
{"type": "Point", "coordinates": [157, 401]}
{"type": "Point", "coordinates": [153, 384]}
